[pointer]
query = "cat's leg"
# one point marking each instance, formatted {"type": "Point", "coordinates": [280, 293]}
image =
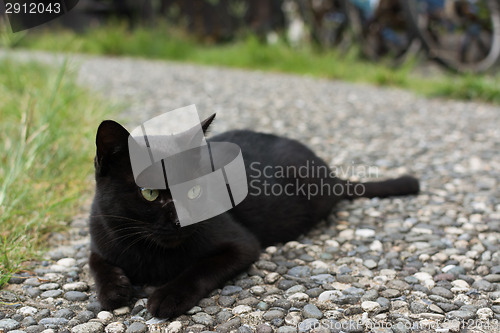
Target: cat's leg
{"type": "Point", "coordinates": [207, 273]}
{"type": "Point", "coordinates": [113, 286]}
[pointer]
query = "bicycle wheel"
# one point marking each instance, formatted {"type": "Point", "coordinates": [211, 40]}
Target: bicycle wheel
{"type": "Point", "coordinates": [462, 35]}
{"type": "Point", "coordinates": [381, 29]}
{"type": "Point", "coordinates": [326, 20]}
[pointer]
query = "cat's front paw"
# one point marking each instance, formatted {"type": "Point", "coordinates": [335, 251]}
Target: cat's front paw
{"type": "Point", "coordinates": [171, 301]}
{"type": "Point", "coordinates": [115, 290]}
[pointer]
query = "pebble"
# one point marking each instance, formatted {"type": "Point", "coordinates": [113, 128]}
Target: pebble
{"type": "Point", "coordinates": [121, 311]}
{"type": "Point", "coordinates": [53, 322]}
{"type": "Point", "coordinates": [203, 319]}
{"type": "Point", "coordinates": [365, 233]}
{"type": "Point", "coordinates": [229, 325]}
{"type": "Point", "coordinates": [48, 286]}
{"type": "Point", "coordinates": [241, 309]}
{"type": "Point", "coordinates": [76, 286]}
{"type": "Point", "coordinates": [370, 306]}
{"type": "Point", "coordinates": [312, 311]}
{"type": "Point", "coordinates": [273, 314]}
{"type": "Point", "coordinates": [27, 311]}
{"type": "Point", "coordinates": [300, 271]}
{"type": "Point", "coordinates": [370, 264]}
{"type": "Point", "coordinates": [226, 301]}
{"type": "Point", "coordinates": [51, 293]}
{"type": "Point", "coordinates": [115, 327]}
{"type": "Point", "coordinates": [75, 296]}
{"type": "Point", "coordinates": [460, 315]}
{"type": "Point", "coordinates": [90, 327]}
{"type": "Point", "coordinates": [66, 262]}
{"type": "Point", "coordinates": [105, 316]}
{"type": "Point", "coordinates": [9, 324]}
{"type": "Point", "coordinates": [264, 328]}
{"type": "Point", "coordinates": [443, 292]}
{"type": "Point", "coordinates": [230, 290]}
{"type": "Point", "coordinates": [64, 313]}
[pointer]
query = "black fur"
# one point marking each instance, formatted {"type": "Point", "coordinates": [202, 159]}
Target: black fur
{"type": "Point", "coordinates": [136, 242]}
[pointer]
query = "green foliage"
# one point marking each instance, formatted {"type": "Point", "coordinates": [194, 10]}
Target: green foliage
{"type": "Point", "coordinates": [47, 125]}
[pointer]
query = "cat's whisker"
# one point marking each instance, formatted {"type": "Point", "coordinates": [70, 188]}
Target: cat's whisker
{"type": "Point", "coordinates": [120, 217]}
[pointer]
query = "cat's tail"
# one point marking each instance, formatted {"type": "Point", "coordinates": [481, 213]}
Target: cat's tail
{"type": "Point", "coordinates": [404, 185]}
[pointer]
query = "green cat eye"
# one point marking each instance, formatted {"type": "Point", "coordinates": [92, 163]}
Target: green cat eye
{"type": "Point", "coordinates": [149, 194]}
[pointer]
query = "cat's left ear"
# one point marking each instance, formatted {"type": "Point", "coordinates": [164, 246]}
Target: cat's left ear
{"type": "Point", "coordinates": [111, 139]}
{"type": "Point", "coordinates": [206, 123]}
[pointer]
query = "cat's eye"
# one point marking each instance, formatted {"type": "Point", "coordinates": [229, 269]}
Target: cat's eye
{"type": "Point", "coordinates": [194, 192]}
{"type": "Point", "coordinates": [150, 194]}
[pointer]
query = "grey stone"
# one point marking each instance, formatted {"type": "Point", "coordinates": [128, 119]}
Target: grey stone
{"type": "Point", "coordinates": [48, 286]}
{"type": "Point", "coordinates": [230, 290]}
{"type": "Point", "coordinates": [85, 316]}
{"type": "Point", "coordinates": [48, 322]}
{"type": "Point", "coordinates": [51, 293]}
{"type": "Point", "coordinates": [443, 292]}
{"type": "Point", "coordinates": [35, 329]}
{"type": "Point", "coordinates": [95, 307]}
{"type": "Point", "coordinates": [75, 296]}
{"type": "Point", "coordinates": [483, 285]}
{"type": "Point", "coordinates": [460, 315]}
{"type": "Point", "coordinates": [300, 271]}
{"type": "Point", "coordinates": [9, 324]}
{"type": "Point", "coordinates": [203, 318]}
{"type": "Point", "coordinates": [223, 316]}
{"type": "Point", "coordinates": [287, 329]}
{"type": "Point", "coordinates": [447, 307]}
{"type": "Point", "coordinates": [64, 313]}
{"type": "Point", "coordinates": [7, 296]}
{"type": "Point", "coordinates": [28, 321]}
{"type": "Point", "coordinates": [370, 295]}
{"type": "Point", "coordinates": [286, 284]}
{"type": "Point", "coordinates": [263, 328]}
{"type": "Point", "coordinates": [323, 278]}
{"type": "Point", "coordinates": [33, 292]}
{"type": "Point", "coordinates": [90, 327]}
{"type": "Point", "coordinates": [43, 313]}
{"type": "Point", "coordinates": [34, 282]}
{"type": "Point", "coordinates": [312, 311]}
{"type": "Point", "coordinates": [229, 325]}
{"type": "Point", "coordinates": [266, 265]}
{"type": "Point", "coordinates": [137, 327]}
{"type": "Point", "coordinates": [263, 306]}
{"type": "Point", "coordinates": [273, 314]}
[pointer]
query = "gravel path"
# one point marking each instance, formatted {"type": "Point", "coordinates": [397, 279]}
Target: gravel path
{"type": "Point", "coordinates": [429, 263]}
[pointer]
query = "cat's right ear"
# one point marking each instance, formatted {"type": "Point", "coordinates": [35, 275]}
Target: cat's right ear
{"type": "Point", "coordinates": [111, 139]}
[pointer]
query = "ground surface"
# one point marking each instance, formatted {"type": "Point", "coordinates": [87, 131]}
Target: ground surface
{"type": "Point", "coordinates": [426, 263]}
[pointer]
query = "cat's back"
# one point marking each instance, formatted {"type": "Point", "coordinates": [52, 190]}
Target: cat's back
{"type": "Point", "coordinates": [266, 148]}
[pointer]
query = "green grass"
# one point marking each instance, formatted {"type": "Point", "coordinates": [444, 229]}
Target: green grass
{"type": "Point", "coordinates": [250, 53]}
{"type": "Point", "coordinates": [47, 127]}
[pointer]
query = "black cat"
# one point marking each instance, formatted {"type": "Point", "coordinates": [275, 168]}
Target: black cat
{"type": "Point", "coordinates": [135, 238]}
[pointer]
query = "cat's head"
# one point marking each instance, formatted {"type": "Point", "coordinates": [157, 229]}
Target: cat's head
{"type": "Point", "coordinates": [125, 208]}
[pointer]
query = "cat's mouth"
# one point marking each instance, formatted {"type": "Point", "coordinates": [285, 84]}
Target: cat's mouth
{"type": "Point", "coordinates": [172, 237]}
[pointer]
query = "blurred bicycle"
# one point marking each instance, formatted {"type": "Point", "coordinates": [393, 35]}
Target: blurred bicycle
{"type": "Point", "coordinates": [463, 35]}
